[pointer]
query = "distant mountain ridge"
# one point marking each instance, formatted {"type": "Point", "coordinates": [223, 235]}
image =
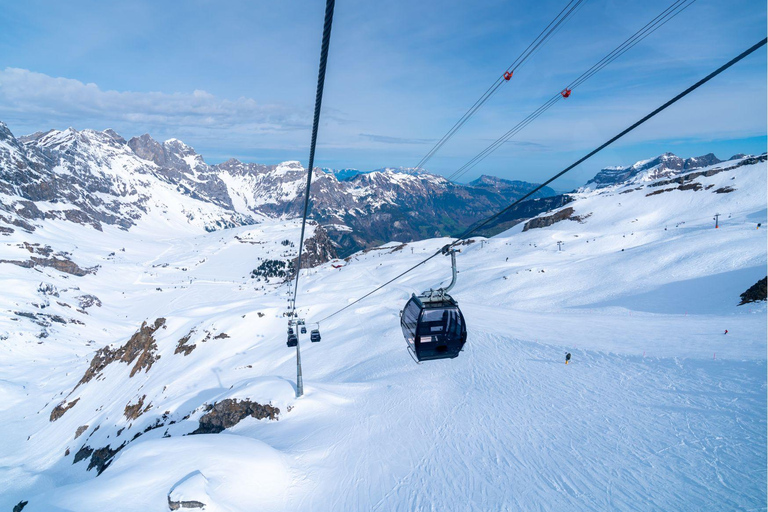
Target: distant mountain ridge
{"type": "Point", "coordinates": [96, 178]}
{"type": "Point", "coordinates": [100, 178]}
{"type": "Point", "coordinates": [665, 165]}
{"type": "Point", "coordinates": [638, 175]}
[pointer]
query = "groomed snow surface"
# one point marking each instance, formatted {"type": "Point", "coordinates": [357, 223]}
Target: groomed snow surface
{"type": "Point", "coordinates": [658, 410]}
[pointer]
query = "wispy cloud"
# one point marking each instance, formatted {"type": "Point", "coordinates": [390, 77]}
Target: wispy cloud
{"type": "Point", "coordinates": [385, 139]}
{"type": "Point", "coordinates": [27, 93]}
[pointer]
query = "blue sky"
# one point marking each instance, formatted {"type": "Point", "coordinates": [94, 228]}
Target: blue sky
{"type": "Point", "coordinates": [237, 79]}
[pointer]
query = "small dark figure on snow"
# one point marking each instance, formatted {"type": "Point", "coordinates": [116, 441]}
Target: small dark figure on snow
{"type": "Point", "coordinates": [726, 331]}
{"type": "Point", "coordinates": [567, 357]}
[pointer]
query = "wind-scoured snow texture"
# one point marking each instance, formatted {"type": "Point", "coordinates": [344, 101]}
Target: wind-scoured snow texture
{"type": "Point", "coordinates": [657, 410]}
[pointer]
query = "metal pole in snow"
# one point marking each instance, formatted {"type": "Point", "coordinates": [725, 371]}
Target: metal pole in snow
{"type": "Point", "coordinates": [299, 378]}
{"type": "Point", "coordinates": [717, 217]}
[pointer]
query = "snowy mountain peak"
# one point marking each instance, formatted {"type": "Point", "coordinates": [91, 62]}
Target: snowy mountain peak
{"type": "Point", "coordinates": [664, 165]}
{"type": "Point", "coordinates": [290, 165]}
{"type": "Point", "coordinates": [179, 147]}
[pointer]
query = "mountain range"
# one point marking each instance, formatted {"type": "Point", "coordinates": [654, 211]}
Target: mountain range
{"type": "Point", "coordinates": [96, 178]}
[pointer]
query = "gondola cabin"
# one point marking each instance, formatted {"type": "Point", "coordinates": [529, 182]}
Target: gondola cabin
{"type": "Point", "coordinates": [433, 327]}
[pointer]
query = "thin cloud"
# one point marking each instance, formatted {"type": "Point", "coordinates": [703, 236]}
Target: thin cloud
{"type": "Point", "coordinates": [385, 139]}
{"type": "Point", "coordinates": [28, 93]}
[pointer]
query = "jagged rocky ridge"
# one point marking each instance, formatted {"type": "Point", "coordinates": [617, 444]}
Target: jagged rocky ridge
{"type": "Point", "coordinates": [97, 178]}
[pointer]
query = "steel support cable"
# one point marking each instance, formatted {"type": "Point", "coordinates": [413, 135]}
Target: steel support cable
{"type": "Point", "coordinates": [329, 5]}
{"type": "Point", "coordinates": [646, 31]}
{"type": "Point", "coordinates": [660, 20]}
{"type": "Point", "coordinates": [613, 139]}
{"type": "Point", "coordinates": [630, 39]}
{"type": "Point", "coordinates": [554, 33]}
{"type": "Point", "coordinates": [543, 36]}
{"type": "Point", "coordinates": [689, 90]}
{"type": "Point", "coordinates": [501, 140]}
{"type": "Point", "coordinates": [549, 34]}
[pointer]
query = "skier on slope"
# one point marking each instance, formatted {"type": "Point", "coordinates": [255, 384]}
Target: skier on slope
{"type": "Point", "coordinates": [567, 357]}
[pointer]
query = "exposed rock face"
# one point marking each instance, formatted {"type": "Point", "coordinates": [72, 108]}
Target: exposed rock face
{"type": "Point", "coordinates": [83, 453]}
{"type": "Point", "coordinates": [20, 506]}
{"type": "Point", "coordinates": [548, 220]}
{"type": "Point", "coordinates": [756, 293]}
{"type": "Point", "coordinates": [63, 407]}
{"type": "Point", "coordinates": [317, 250]}
{"type": "Point", "coordinates": [100, 459]}
{"type": "Point", "coordinates": [61, 264]}
{"type": "Point", "coordinates": [133, 411]}
{"type": "Point", "coordinates": [524, 211]}
{"type": "Point", "coordinates": [80, 430]}
{"type": "Point", "coordinates": [86, 301]}
{"type": "Point", "coordinates": [182, 347]}
{"type": "Point", "coordinates": [140, 348]}
{"type": "Point", "coordinates": [229, 412]}
{"type": "Point", "coordinates": [176, 505]}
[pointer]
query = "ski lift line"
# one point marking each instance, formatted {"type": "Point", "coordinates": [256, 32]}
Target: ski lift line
{"type": "Point", "coordinates": [526, 52]}
{"type": "Point", "coordinates": [577, 9]}
{"type": "Point", "coordinates": [472, 230]}
{"type": "Point", "coordinates": [648, 32]}
{"type": "Point", "coordinates": [501, 140]}
{"type": "Point", "coordinates": [660, 20]}
{"type": "Point", "coordinates": [689, 90]}
{"type": "Point", "coordinates": [468, 114]}
{"type": "Point", "coordinates": [552, 31]}
{"type": "Point", "coordinates": [540, 39]}
{"type": "Point", "coordinates": [505, 77]}
{"type": "Point", "coordinates": [329, 7]}
{"type": "Point", "coordinates": [492, 89]}
{"type": "Point", "coordinates": [380, 287]}
{"type": "Point", "coordinates": [629, 40]}
{"type": "Point", "coordinates": [622, 48]}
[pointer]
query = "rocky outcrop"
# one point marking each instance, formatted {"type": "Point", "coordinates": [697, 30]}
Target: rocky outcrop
{"type": "Point", "coordinates": [522, 212]}
{"type": "Point", "coordinates": [548, 220]}
{"type": "Point", "coordinates": [100, 458]}
{"type": "Point", "coordinates": [20, 506]}
{"type": "Point", "coordinates": [230, 412]}
{"type": "Point", "coordinates": [318, 249]}
{"type": "Point", "coordinates": [87, 301]}
{"type": "Point", "coordinates": [176, 505]}
{"type": "Point", "coordinates": [182, 347]}
{"type": "Point", "coordinates": [755, 293]}
{"type": "Point", "coordinates": [141, 348]}
{"type": "Point", "coordinates": [60, 261]}
{"type": "Point", "coordinates": [60, 409]}
{"type": "Point", "coordinates": [133, 411]}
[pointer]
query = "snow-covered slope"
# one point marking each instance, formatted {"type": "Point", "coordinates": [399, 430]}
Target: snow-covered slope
{"type": "Point", "coordinates": [659, 410]}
